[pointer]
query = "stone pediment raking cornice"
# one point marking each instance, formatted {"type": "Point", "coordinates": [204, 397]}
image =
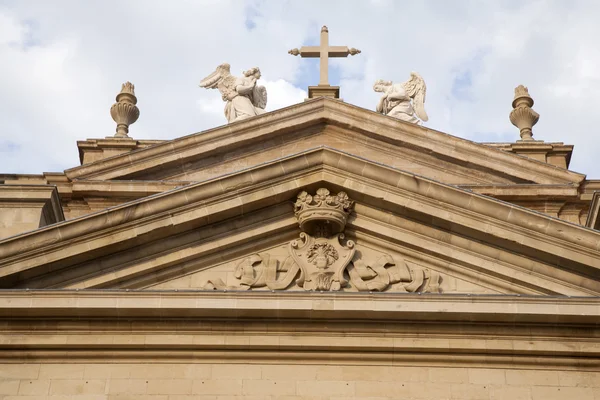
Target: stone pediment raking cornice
{"type": "Point", "coordinates": [317, 112]}
{"type": "Point", "coordinates": [522, 231]}
{"type": "Point", "coordinates": [221, 138]}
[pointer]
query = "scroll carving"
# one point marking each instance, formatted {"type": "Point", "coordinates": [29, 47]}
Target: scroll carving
{"type": "Point", "coordinates": [322, 259]}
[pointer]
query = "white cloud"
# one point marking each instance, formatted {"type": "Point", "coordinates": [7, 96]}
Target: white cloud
{"type": "Point", "coordinates": [282, 94]}
{"type": "Point", "coordinates": [11, 32]}
{"type": "Point", "coordinates": [64, 61]}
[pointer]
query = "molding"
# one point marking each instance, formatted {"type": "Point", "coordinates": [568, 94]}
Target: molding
{"type": "Point", "coordinates": [355, 356]}
{"type": "Point", "coordinates": [399, 132]}
{"type": "Point", "coordinates": [566, 246]}
{"type": "Point", "coordinates": [316, 112]}
{"type": "Point", "coordinates": [535, 192]}
{"type": "Point", "coordinates": [122, 189]}
{"type": "Point", "coordinates": [45, 197]}
{"type": "Point", "coordinates": [379, 328]}
{"type": "Point", "coordinates": [219, 139]}
{"type": "Point", "coordinates": [326, 306]}
{"type": "Point", "coordinates": [555, 153]}
{"type": "Point", "coordinates": [592, 220]}
{"type": "Point", "coordinates": [95, 148]}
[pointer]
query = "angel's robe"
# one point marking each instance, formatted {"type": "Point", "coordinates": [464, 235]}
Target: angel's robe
{"type": "Point", "coordinates": [241, 107]}
{"type": "Point", "coordinates": [397, 104]}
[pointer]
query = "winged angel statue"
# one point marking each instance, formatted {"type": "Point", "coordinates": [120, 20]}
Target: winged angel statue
{"type": "Point", "coordinates": [396, 99]}
{"type": "Point", "coordinates": [244, 99]}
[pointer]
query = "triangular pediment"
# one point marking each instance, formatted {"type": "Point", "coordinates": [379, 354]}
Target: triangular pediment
{"type": "Point", "coordinates": [315, 123]}
{"type": "Point", "coordinates": [470, 243]}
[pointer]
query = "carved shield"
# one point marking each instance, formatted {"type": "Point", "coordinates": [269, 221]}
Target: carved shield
{"type": "Point", "coordinates": [322, 261]}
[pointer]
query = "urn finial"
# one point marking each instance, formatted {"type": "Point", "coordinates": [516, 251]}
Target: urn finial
{"type": "Point", "coordinates": [523, 116]}
{"type": "Point", "coordinates": [125, 112]}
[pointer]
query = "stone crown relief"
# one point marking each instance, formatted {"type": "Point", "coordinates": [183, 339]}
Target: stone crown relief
{"type": "Point", "coordinates": [322, 259]}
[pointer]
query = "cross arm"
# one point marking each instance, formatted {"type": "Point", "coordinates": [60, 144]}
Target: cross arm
{"type": "Point", "coordinates": [306, 51]}
{"type": "Point", "coordinates": [342, 51]}
{"type": "Point", "coordinates": [315, 51]}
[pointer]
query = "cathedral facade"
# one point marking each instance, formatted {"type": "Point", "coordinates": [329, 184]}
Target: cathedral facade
{"type": "Point", "coordinates": [321, 251]}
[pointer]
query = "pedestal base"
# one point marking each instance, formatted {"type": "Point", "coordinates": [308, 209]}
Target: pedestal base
{"type": "Point", "coordinates": [324, 91]}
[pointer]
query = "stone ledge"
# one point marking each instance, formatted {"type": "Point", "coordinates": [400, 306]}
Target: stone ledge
{"type": "Point", "coordinates": [315, 112]}
{"type": "Point", "coordinates": [525, 191]}
{"type": "Point", "coordinates": [126, 304]}
{"type": "Point", "coordinates": [92, 150]}
{"type": "Point", "coordinates": [555, 153]}
{"type": "Point", "coordinates": [568, 246]}
{"type": "Point", "coordinates": [25, 208]}
{"type": "Point", "coordinates": [593, 221]}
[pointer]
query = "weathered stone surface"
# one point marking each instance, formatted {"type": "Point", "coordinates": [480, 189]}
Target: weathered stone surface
{"type": "Point", "coordinates": [205, 224]}
{"type": "Point", "coordinates": [522, 116]}
{"type": "Point", "coordinates": [27, 207]}
{"type": "Point", "coordinates": [243, 98]}
{"type": "Point", "coordinates": [125, 112]}
{"type": "Point", "coordinates": [354, 256]}
{"type": "Point", "coordinates": [404, 101]}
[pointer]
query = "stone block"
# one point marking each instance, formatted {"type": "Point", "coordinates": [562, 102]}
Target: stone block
{"type": "Point", "coordinates": [77, 387]}
{"type": "Point", "coordinates": [34, 388]}
{"type": "Point", "coordinates": [169, 386]}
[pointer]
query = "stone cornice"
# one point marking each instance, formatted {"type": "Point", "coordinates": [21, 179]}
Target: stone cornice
{"type": "Point", "coordinates": [46, 196]}
{"type": "Point", "coordinates": [556, 153]}
{"type": "Point", "coordinates": [126, 189]}
{"type": "Point", "coordinates": [374, 124]}
{"type": "Point", "coordinates": [311, 113]}
{"type": "Point", "coordinates": [93, 149]}
{"type": "Point", "coordinates": [589, 188]}
{"type": "Point", "coordinates": [126, 304]}
{"type": "Point", "coordinates": [191, 207]}
{"type": "Point", "coordinates": [26, 192]}
{"type": "Point", "coordinates": [525, 191]}
{"type": "Point", "coordinates": [379, 328]}
{"type": "Point", "coordinates": [221, 138]}
{"type": "Point", "coordinates": [593, 221]}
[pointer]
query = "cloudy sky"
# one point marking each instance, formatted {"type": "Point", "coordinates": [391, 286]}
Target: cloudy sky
{"type": "Point", "coordinates": [63, 61]}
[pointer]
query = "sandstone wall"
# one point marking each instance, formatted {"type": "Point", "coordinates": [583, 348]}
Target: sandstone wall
{"type": "Point", "coordinates": [228, 381]}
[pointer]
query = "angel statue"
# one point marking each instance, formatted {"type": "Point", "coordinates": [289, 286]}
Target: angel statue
{"type": "Point", "coordinates": [396, 99]}
{"type": "Point", "coordinates": [244, 99]}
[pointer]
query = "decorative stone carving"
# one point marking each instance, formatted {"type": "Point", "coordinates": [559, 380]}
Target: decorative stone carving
{"type": "Point", "coordinates": [384, 272]}
{"type": "Point", "coordinates": [323, 260]}
{"type": "Point", "coordinates": [243, 98]}
{"type": "Point", "coordinates": [322, 208]}
{"type": "Point", "coordinates": [125, 112]}
{"type": "Point", "coordinates": [396, 99]}
{"type": "Point", "coordinates": [522, 116]}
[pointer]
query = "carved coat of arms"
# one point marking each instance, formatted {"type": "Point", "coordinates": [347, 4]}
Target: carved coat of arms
{"type": "Point", "coordinates": [323, 260]}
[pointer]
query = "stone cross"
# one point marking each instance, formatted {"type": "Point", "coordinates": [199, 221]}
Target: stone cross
{"type": "Point", "coordinates": [323, 52]}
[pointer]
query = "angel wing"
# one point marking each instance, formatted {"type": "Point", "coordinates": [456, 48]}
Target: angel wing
{"type": "Point", "coordinates": [259, 97]}
{"type": "Point", "coordinates": [212, 81]}
{"type": "Point", "coordinates": [416, 89]}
